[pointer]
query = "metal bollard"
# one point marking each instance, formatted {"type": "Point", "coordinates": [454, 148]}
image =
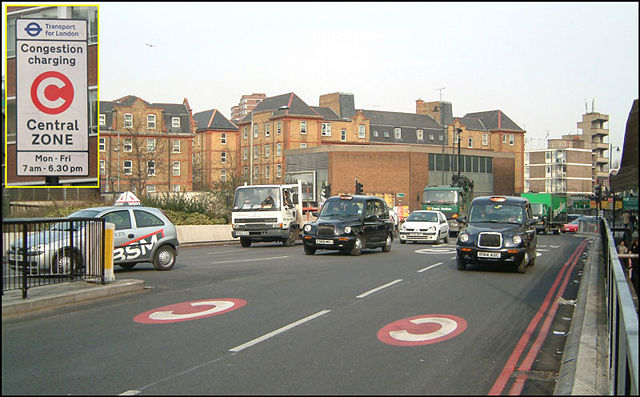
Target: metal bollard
{"type": "Point", "coordinates": [109, 230]}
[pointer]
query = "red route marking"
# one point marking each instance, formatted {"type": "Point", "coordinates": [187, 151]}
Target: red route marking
{"type": "Point", "coordinates": [422, 330]}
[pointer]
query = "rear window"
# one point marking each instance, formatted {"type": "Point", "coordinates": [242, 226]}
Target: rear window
{"type": "Point", "coordinates": [146, 219]}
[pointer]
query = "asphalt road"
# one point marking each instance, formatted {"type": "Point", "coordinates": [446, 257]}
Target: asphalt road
{"type": "Point", "coordinates": [269, 319]}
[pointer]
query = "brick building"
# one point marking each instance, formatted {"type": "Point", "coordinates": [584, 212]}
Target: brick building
{"type": "Point", "coordinates": [216, 155]}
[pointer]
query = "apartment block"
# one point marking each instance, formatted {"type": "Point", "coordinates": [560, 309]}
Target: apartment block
{"type": "Point", "coordinates": [216, 155]}
{"type": "Point", "coordinates": [595, 130]}
{"type": "Point", "coordinates": [246, 105]}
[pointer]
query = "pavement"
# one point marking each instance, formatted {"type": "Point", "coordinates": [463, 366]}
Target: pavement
{"type": "Point", "coordinates": [584, 364]}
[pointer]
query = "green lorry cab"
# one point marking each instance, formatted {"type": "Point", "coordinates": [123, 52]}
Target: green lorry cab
{"type": "Point", "coordinates": [550, 209]}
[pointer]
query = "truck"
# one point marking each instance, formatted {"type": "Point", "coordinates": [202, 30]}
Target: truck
{"type": "Point", "coordinates": [551, 210]}
{"type": "Point", "coordinates": [453, 201]}
{"type": "Point", "coordinates": [265, 213]}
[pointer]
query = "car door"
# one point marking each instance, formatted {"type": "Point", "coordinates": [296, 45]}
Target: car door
{"type": "Point", "coordinates": [148, 230]}
{"type": "Point", "coordinates": [123, 233]}
{"type": "Point", "coordinates": [531, 230]}
{"type": "Point", "coordinates": [371, 224]}
{"type": "Point", "coordinates": [444, 225]}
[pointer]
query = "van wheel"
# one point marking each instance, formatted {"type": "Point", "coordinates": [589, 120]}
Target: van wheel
{"type": "Point", "coordinates": [165, 258]}
{"type": "Point", "coordinates": [357, 246]}
{"type": "Point", "coordinates": [291, 238]}
{"type": "Point", "coordinates": [245, 242]}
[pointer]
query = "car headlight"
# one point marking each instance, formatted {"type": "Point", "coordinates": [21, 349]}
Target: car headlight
{"type": "Point", "coordinates": [517, 240]}
{"type": "Point", "coordinates": [403, 227]}
{"type": "Point", "coordinates": [347, 229]}
{"type": "Point", "coordinates": [307, 228]}
{"type": "Point", "coordinates": [431, 229]}
{"type": "Point", "coordinates": [464, 237]}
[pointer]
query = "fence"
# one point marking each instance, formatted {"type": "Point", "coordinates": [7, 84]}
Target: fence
{"type": "Point", "coordinates": [47, 251]}
{"type": "Point", "coordinates": [622, 319]}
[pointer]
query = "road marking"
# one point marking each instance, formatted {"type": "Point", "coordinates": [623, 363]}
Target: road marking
{"type": "Point", "coordinates": [435, 251]}
{"type": "Point", "coordinates": [278, 331]}
{"type": "Point", "coordinates": [223, 252]}
{"type": "Point", "coordinates": [130, 393]}
{"type": "Point", "coordinates": [430, 267]}
{"type": "Point", "coordinates": [422, 330]}
{"type": "Point", "coordinates": [249, 260]}
{"type": "Point", "coordinates": [378, 289]}
{"type": "Point", "coordinates": [186, 311]}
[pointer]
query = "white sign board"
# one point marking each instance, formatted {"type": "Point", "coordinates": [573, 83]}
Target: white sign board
{"type": "Point", "coordinates": [52, 97]}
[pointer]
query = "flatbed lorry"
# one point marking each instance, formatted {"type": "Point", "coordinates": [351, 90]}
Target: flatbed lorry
{"type": "Point", "coordinates": [551, 210]}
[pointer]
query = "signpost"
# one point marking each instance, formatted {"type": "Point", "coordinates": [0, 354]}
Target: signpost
{"type": "Point", "coordinates": [52, 98]}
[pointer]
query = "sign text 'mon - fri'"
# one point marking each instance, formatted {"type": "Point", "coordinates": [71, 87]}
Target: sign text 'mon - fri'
{"type": "Point", "coordinates": [52, 97]}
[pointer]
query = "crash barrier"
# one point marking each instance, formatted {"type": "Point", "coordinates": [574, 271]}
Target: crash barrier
{"type": "Point", "coordinates": [622, 320]}
{"type": "Point", "coordinates": [45, 251]}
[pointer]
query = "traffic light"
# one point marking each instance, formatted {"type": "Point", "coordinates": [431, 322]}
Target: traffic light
{"type": "Point", "coordinates": [327, 191]}
{"type": "Point", "coordinates": [358, 188]}
{"type": "Point", "coordinates": [598, 190]}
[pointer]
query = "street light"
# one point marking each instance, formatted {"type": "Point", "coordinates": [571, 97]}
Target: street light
{"type": "Point", "coordinates": [438, 108]}
{"type": "Point", "coordinates": [251, 151]}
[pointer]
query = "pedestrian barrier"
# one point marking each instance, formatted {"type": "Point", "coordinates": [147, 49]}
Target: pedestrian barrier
{"type": "Point", "coordinates": [44, 251]}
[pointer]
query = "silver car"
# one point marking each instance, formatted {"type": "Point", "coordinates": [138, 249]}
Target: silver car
{"type": "Point", "coordinates": [142, 234]}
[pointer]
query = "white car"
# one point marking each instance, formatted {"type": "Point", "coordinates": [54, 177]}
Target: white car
{"type": "Point", "coordinates": [425, 225]}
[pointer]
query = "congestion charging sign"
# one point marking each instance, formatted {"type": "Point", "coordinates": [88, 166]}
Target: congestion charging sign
{"type": "Point", "coordinates": [52, 98]}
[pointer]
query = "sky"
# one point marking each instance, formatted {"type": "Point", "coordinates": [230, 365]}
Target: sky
{"type": "Point", "coordinates": [541, 64]}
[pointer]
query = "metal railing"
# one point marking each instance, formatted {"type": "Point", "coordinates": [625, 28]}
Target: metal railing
{"type": "Point", "coordinates": [44, 251]}
{"type": "Point", "coordinates": [622, 320]}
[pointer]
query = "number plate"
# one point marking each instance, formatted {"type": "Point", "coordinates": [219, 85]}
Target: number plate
{"type": "Point", "coordinates": [488, 255]}
{"type": "Point", "coordinates": [415, 234]}
{"type": "Point", "coordinates": [242, 233]}
{"type": "Point", "coordinates": [329, 242]}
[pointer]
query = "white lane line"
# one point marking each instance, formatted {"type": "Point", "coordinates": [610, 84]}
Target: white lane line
{"type": "Point", "coordinates": [223, 252]}
{"type": "Point", "coordinates": [278, 331]}
{"type": "Point", "coordinates": [252, 259]}
{"type": "Point", "coordinates": [130, 393]}
{"type": "Point", "coordinates": [430, 267]}
{"type": "Point", "coordinates": [378, 289]}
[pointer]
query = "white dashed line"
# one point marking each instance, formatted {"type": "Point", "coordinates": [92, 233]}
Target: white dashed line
{"type": "Point", "coordinates": [249, 260]}
{"type": "Point", "coordinates": [430, 267]}
{"type": "Point", "coordinates": [378, 289]}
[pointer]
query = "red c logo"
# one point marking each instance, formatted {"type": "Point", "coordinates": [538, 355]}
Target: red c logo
{"type": "Point", "coordinates": [57, 95]}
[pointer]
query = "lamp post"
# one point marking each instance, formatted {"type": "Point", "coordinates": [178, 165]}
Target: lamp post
{"type": "Point", "coordinates": [457, 135]}
{"type": "Point", "coordinates": [118, 161]}
{"type": "Point", "coordinates": [251, 151]}
{"type": "Point", "coordinates": [613, 195]}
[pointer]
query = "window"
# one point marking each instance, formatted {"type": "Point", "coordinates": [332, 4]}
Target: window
{"type": "Point", "coordinates": [119, 218]}
{"type": "Point", "coordinates": [151, 188]}
{"type": "Point", "coordinates": [397, 132]}
{"type": "Point", "coordinates": [223, 138]}
{"type": "Point", "coordinates": [504, 138]}
{"type": "Point", "coordinates": [326, 129]}
{"type": "Point", "coordinates": [101, 144]}
{"type": "Point", "coordinates": [245, 172]}
{"type": "Point", "coordinates": [361, 131]}
{"type": "Point", "coordinates": [511, 140]}
{"type": "Point", "coordinates": [223, 175]}
{"type": "Point", "coordinates": [151, 144]}
{"type": "Point", "coordinates": [175, 122]}
{"type": "Point", "coordinates": [420, 135]}
{"type": "Point", "coordinates": [102, 120]}
{"type": "Point", "coordinates": [266, 172]}
{"type": "Point", "coordinates": [176, 146]}
{"type": "Point", "coordinates": [267, 151]}
{"type": "Point", "coordinates": [441, 137]}
{"type": "Point", "coordinates": [343, 135]}
{"type": "Point", "coordinates": [278, 149]}
{"type": "Point", "coordinates": [303, 145]}
{"type": "Point", "coordinates": [375, 133]}
{"type": "Point", "coordinates": [176, 168]}
{"type": "Point", "coordinates": [128, 120]}
{"type": "Point", "coordinates": [255, 171]}
{"type": "Point", "coordinates": [151, 121]}
{"type": "Point", "coordinates": [485, 139]}
{"type": "Point", "coordinates": [128, 144]}
{"type": "Point", "coordinates": [386, 134]}
{"type": "Point", "coordinates": [223, 157]}
{"type": "Point", "coordinates": [303, 127]}
{"type": "Point", "coordinates": [245, 132]}
{"type": "Point", "coordinates": [470, 142]}
{"type": "Point", "coordinates": [245, 153]}
{"type": "Point", "coordinates": [256, 150]}
{"type": "Point", "coordinates": [255, 130]}
{"type": "Point", "coordinates": [127, 166]}
{"type": "Point", "coordinates": [267, 129]}
{"type": "Point", "coordinates": [279, 127]}
{"type": "Point", "coordinates": [175, 188]}
{"type": "Point", "coordinates": [431, 137]}
{"type": "Point", "coordinates": [279, 170]}
{"type": "Point", "coordinates": [103, 167]}
{"type": "Point", "coordinates": [151, 168]}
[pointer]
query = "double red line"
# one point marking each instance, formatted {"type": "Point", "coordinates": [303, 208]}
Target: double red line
{"type": "Point", "coordinates": [510, 366]}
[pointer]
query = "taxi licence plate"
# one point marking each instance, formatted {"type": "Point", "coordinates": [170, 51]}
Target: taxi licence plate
{"type": "Point", "coordinates": [329, 242]}
{"type": "Point", "coordinates": [488, 255]}
{"type": "Point", "coordinates": [242, 233]}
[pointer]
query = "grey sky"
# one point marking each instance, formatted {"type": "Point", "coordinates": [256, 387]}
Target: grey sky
{"type": "Point", "coordinates": [537, 62]}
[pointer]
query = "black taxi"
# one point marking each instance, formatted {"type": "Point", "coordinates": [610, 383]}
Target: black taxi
{"type": "Point", "coordinates": [349, 223]}
{"type": "Point", "coordinates": [498, 229]}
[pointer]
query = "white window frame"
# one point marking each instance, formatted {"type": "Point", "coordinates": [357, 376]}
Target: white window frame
{"type": "Point", "coordinates": [267, 129]}
{"type": "Point", "coordinates": [151, 188]}
{"type": "Point", "coordinates": [175, 122]}
{"type": "Point", "coordinates": [151, 168]}
{"type": "Point", "coordinates": [512, 140]}
{"type": "Point", "coordinates": [279, 127]}
{"type": "Point", "coordinates": [470, 142]}
{"type": "Point", "coordinates": [256, 151]}
{"type": "Point", "coordinates": [303, 145]}
{"type": "Point", "coordinates": [245, 153]}
{"type": "Point", "coordinates": [151, 145]}
{"type": "Point", "coordinates": [267, 151]}
{"type": "Point", "coordinates": [255, 130]}
{"type": "Point", "coordinates": [245, 132]}
{"type": "Point", "coordinates": [279, 170]}
{"type": "Point", "coordinates": [102, 120]}
{"type": "Point", "coordinates": [266, 172]}
{"type": "Point", "coordinates": [420, 135]}
{"type": "Point", "coordinates": [386, 134]}
{"type": "Point", "coordinates": [485, 139]}
{"type": "Point", "coordinates": [176, 168]}
{"type": "Point", "coordinates": [326, 129]}
{"type": "Point", "coordinates": [127, 146]}
{"type": "Point", "coordinates": [223, 157]}
{"type": "Point", "coordinates": [343, 135]}
{"type": "Point", "coordinates": [128, 120]}
{"type": "Point", "coordinates": [397, 133]}
{"type": "Point", "coordinates": [223, 175]}
{"type": "Point", "coordinates": [127, 169]}
{"type": "Point", "coordinates": [175, 188]}
{"type": "Point", "coordinates": [103, 167]}
{"type": "Point", "coordinates": [102, 144]}
{"type": "Point", "coordinates": [504, 138]}
{"type": "Point", "coordinates": [303, 127]}
{"type": "Point", "coordinates": [362, 131]}
{"type": "Point", "coordinates": [151, 121]}
{"type": "Point", "coordinates": [278, 149]}
{"type": "Point", "coordinates": [256, 171]}
{"type": "Point", "coordinates": [176, 146]}
{"type": "Point", "coordinates": [223, 138]}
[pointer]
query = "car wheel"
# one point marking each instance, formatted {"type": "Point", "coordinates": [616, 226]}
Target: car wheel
{"type": "Point", "coordinates": [291, 238]}
{"type": "Point", "coordinates": [462, 265]}
{"type": "Point", "coordinates": [64, 261]}
{"type": "Point", "coordinates": [437, 239]}
{"type": "Point", "coordinates": [533, 259]}
{"type": "Point", "coordinates": [387, 244]}
{"type": "Point", "coordinates": [446, 238]}
{"type": "Point", "coordinates": [357, 246]}
{"type": "Point", "coordinates": [309, 250]}
{"type": "Point", "coordinates": [127, 265]}
{"type": "Point", "coordinates": [245, 242]}
{"type": "Point", "coordinates": [164, 258]}
{"type": "Point", "coordinates": [522, 266]}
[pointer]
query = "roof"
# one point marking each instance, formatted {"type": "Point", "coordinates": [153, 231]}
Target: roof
{"type": "Point", "coordinates": [169, 110]}
{"type": "Point", "coordinates": [212, 119]}
{"type": "Point", "coordinates": [286, 104]}
{"type": "Point", "coordinates": [510, 199]}
{"type": "Point", "coordinates": [398, 119]}
{"type": "Point", "coordinates": [494, 120]}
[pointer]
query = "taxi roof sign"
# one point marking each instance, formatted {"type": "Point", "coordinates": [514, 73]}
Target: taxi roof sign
{"type": "Point", "coordinates": [127, 198]}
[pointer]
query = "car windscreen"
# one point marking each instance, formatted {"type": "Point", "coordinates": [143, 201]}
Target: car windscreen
{"type": "Point", "coordinates": [496, 213]}
{"type": "Point", "coordinates": [339, 209]}
{"type": "Point", "coordinates": [253, 198]}
{"type": "Point", "coordinates": [537, 208]}
{"type": "Point", "coordinates": [422, 217]}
